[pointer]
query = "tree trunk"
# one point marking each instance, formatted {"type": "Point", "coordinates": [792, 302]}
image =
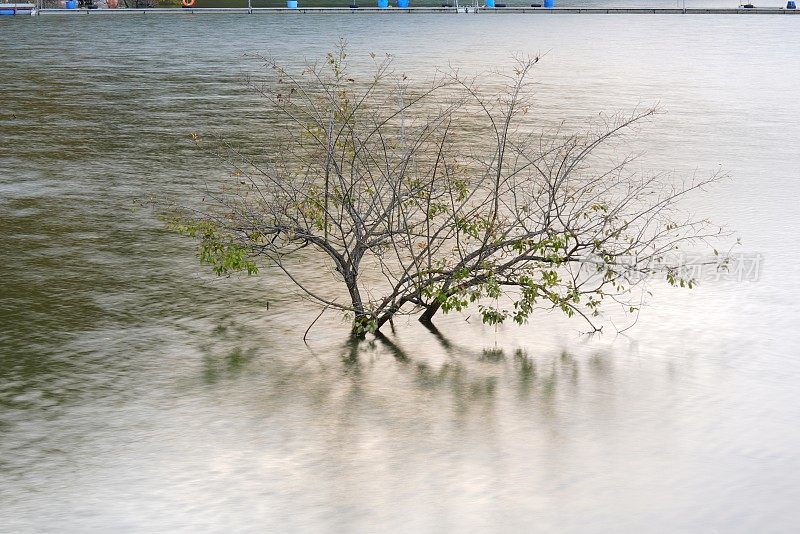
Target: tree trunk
{"type": "Point", "coordinates": [361, 317]}
{"type": "Point", "coordinates": [386, 317]}
{"type": "Point", "coordinates": [427, 316]}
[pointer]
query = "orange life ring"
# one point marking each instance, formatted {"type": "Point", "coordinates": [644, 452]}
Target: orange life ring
{"type": "Point", "coordinates": [187, 3]}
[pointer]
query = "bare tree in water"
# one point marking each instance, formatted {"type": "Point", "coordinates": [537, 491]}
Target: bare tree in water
{"type": "Point", "coordinates": [435, 197]}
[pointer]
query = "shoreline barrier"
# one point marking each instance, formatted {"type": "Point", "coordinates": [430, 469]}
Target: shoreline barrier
{"type": "Point", "coordinates": [422, 10]}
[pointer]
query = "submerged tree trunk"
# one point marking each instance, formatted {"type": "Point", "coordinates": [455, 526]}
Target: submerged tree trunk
{"type": "Point", "coordinates": [361, 319]}
{"type": "Point", "coordinates": [427, 316]}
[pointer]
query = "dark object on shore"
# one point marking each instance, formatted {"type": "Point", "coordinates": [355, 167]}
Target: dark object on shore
{"type": "Point", "coordinates": [536, 5]}
{"type": "Point", "coordinates": [445, 4]}
{"type": "Point", "coordinates": [353, 6]}
{"type": "Point", "coordinates": [499, 5]}
{"type": "Point", "coordinates": [748, 6]}
{"type": "Point", "coordinates": [791, 4]}
{"type": "Point", "coordinates": [140, 4]}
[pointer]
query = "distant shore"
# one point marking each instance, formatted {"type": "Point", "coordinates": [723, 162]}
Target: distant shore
{"type": "Point", "coordinates": [421, 10]}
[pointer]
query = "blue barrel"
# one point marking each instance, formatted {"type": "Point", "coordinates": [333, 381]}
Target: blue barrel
{"type": "Point", "coordinates": [402, 4]}
{"type": "Point", "coordinates": [71, 4]}
{"type": "Point", "coordinates": [548, 4]}
{"type": "Point", "coordinates": [383, 4]}
{"type": "Point", "coordinates": [489, 3]}
{"type": "Point", "coordinates": [791, 5]}
{"type": "Point", "coordinates": [291, 4]}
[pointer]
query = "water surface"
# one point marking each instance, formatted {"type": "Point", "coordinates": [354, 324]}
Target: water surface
{"type": "Point", "coordinates": [139, 393]}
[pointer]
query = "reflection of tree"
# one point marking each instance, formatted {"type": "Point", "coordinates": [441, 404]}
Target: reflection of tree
{"type": "Point", "coordinates": [443, 341]}
{"type": "Point", "coordinates": [384, 371]}
{"type": "Point", "coordinates": [525, 367]}
{"type": "Point", "coordinates": [395, 351]}
{"type": "Point", "coordinates": [228, 366]}
{"type": "Point", "coordinates": [494, 355]}
{"type": "Point", "coordinates": [473, 377]}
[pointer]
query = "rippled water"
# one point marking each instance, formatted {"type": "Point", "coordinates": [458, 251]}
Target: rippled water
{"type": "Point", "coordinates": [139, 393]}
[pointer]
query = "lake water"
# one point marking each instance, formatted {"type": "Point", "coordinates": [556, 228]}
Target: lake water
{"type": "Point", "coordinates": [140, 393]}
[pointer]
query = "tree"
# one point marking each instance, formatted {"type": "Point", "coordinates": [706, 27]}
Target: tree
{"type": "Point", "coordinates": [438, 196]}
